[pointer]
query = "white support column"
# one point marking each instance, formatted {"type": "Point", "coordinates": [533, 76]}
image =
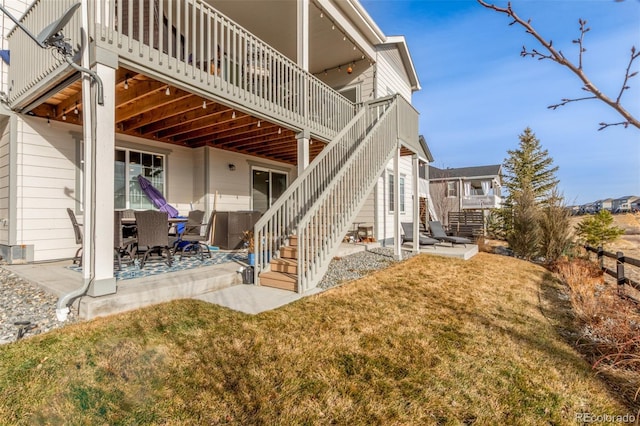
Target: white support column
{"type": "Point", "coordinates": [416, 202]}
{"type": "Point", "coordinates": [303, 151]}
{"type": "Point", "coordinates": [99, 146]}
{"type": "Point", "coordinates": [396, 204]}
{"type": "Point", "coordinates": [302, 45]}
{"type": "Point", "coordinates": [303, 34]}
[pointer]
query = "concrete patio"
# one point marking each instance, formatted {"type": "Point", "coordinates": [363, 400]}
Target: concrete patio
{"type": "Point", "coordinates": [220, 284]}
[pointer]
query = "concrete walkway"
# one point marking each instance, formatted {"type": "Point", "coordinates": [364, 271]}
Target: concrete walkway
{"type": "Point", "coordinates": [219, 284]}
{"type": "Point", "coordinates": [252, 299]}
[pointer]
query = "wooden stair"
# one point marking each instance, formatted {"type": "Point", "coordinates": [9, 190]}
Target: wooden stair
{"type": "Point", "coordinates": [284, 269]}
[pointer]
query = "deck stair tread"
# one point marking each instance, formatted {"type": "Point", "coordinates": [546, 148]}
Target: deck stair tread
{"type": "Point", "coordinates": [284, 265]}
{"type": "Point", "coordinates": [279, 280]}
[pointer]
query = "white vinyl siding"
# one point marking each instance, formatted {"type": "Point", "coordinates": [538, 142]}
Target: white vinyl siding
{"type": "Point", "coordinates": [5, 130]}
{"type": "Point", "coordinates": [391, 75]}
{"type": "Point", "coordinates": [234, 186]}
{"type": "Point", "coordinates": [45, 153]}
{"type": "Point", "coordinates": [367, 215]}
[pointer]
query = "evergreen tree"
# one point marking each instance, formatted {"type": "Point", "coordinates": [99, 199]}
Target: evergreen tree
{"type": "Point", "coordinates": [535, 219]}
{"type": "Point", "coordinates": [597, 230]}
{"type": "Point", "coordinates": [524, 236]}
{"type": "Point", "coordinates": [531, 166]}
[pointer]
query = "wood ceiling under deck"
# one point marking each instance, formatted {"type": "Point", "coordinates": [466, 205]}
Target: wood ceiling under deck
{"type": "Point", "coordinates": [144, 109]}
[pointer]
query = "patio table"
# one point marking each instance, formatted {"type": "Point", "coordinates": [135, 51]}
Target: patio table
{"type": "Point", "coordinates": [173, 221]}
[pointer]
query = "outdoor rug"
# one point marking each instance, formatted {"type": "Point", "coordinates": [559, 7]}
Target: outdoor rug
{"type": "Point", "coordinates": [157, 267]}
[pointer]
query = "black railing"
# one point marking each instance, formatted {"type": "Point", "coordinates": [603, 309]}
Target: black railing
{"type": "Point", "coordinates": [621, 261]}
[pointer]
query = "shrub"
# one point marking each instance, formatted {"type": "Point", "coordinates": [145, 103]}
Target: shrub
{"type": "Point", "coordinates": [555, 235]}
{"type": "Point", "coordinates": [597, 230]}
{"type": "Point", "coordinates": [524, 237]}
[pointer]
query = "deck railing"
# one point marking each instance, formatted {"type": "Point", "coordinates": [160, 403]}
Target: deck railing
{"type": "Point", "coordinates": [190, 42]}
{"type": "Point", "coordinates": [320, 205]}
{"type": "Point", "coordinates": [30, 64]}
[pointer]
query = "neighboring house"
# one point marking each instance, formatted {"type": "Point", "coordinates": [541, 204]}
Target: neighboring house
{"type": "Point", "coordinates": [606, 204]}
{"type": "Point", "coordinates": [301, 110]}
{"type": "Point", "coordinates": [465, 188]}
{"type": "Point", "coordinates": [588, 208]}
{"type": "Point", "coordinates": [624, 204]}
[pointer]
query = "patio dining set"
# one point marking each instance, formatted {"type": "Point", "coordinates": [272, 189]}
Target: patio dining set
{"type": "Point", "coordinates": [142, 235]}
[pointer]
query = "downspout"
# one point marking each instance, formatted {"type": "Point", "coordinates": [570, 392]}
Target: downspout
{"type": "Point", "coordinates": [89, 117]}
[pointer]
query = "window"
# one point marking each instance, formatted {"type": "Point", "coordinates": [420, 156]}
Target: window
{"type": "Point", "coordinates": [402, 194]}
{"type": "Point", "coordinates": [128, 165]}
{"type": "Point", "coordinates": [452, 189]}
{"type": "Point", "coordinates": [391, 193]}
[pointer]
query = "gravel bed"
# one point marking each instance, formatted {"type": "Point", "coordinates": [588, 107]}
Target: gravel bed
{"type": "Point", "coordinates": [357, 265]}
{"type": "Point", "coordinates": [23, 301]}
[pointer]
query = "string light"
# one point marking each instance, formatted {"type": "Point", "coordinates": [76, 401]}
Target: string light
{"type": "Point", "coordinates": [347, 65]}
{"type": "Point", "coordinates": [233, 115]}
{"type": "Point", "coordinates": [48, 120]}
{"type": "Point", "coordinates": [64, 116]}
{"type": "Point", "coordinates": [279, 130]}
{"type": "Point", "coordinates": [204, 104]}
{"type": "Point", "coordinates": [167, 92]}
{"type": "Point", "coordinates": [321, 14]}
{"type": "Point", "coordinates": [258, 123]}
{"type": "Point", "coordinates": [126, 83]}
{"type": "Point", "coordinates": [75, 110]}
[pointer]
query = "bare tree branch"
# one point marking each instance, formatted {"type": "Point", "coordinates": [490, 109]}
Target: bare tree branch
{"type": "Point", "coordinates": [557, 56]}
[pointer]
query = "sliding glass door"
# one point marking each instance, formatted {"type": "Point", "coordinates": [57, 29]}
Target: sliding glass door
{"type": "Point", "coordinates": [266, 186]}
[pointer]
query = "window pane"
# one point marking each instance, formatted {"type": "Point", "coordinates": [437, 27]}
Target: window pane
{"type": "Point", "coordinates": [134, 157]}
{"type": "Point", "coordinates": [120, 198]}
{"type": "Point", "coordinates": [260, 190]}
{"type": "Point", "coordinates": [278, 185]}
{"type": "Point", "coordinates": [391, 196]}
{"type": "Point", "coordinates": [402, 194]}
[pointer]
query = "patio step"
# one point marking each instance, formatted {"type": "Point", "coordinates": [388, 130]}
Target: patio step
{"type": "Point", "coordinates": [279, 280]}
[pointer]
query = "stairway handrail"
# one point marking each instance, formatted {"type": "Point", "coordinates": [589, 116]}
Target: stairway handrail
{"type": "Point", "coordinates": [296, 183]}
{"type": "Point", "coordinates": [279, 222]}
{"type": "Point", "coordinates": [305, 263]}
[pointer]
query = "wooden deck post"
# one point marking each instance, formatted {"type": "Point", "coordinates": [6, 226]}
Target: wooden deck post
{"type": "Point", "coordinates": [620, 268]}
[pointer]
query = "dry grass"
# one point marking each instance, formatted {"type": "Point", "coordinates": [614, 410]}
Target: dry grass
{"type": "Point", "coordinates": [427, 341]}
{"type": "Point", "coordinates": [608, 325]}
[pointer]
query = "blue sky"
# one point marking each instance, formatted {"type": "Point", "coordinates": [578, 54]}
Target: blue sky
{"type": "Point", "coordinates": [478, 94]}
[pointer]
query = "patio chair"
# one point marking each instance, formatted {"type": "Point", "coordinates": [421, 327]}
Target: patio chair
{"type": "Point", "coordinates": [77, 230]}
{"type": "Point", "coordinates": [191, 241]}
{"type": "Point", "coordinates": [153, 235]}
{"type": "Point", "coordinates": [128, 230]}
{"type": "Point", "coordinates": [437, 232]}
{"type": "Point", "coordinates": [123, 246]}
{"type": "Point", "coordinates": [407, 228]}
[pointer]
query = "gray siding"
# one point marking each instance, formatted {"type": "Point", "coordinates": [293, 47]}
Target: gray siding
{"type": "Point", "coordinates": [392, 77]}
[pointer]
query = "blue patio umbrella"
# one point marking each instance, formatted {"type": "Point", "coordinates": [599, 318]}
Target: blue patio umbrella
{"type": "Point", "coordinates": [156, 197]}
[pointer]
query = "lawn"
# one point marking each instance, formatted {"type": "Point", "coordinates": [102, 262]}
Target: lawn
{"type": "Point", "coordinates": [427, 341]}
